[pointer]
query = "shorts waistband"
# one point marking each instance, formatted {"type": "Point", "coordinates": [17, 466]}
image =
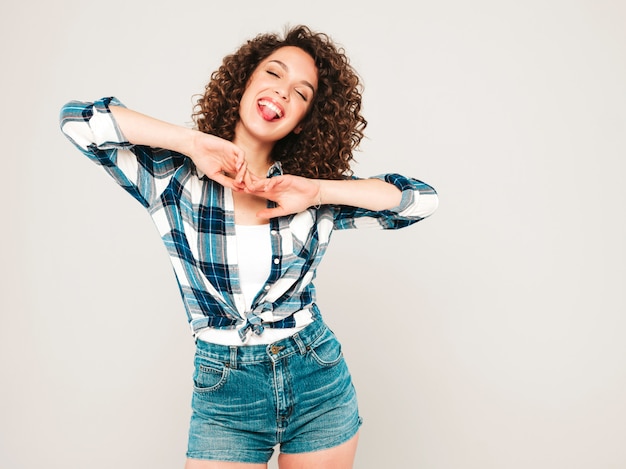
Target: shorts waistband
{"type": "Point", "coordinates": [234, 354]}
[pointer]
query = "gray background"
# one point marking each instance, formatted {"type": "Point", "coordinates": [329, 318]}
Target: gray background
{"type": "Point", "coordinates": [488, 336]}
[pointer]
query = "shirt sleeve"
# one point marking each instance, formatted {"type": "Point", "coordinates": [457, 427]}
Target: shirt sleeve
{"type": "Point", "coordinates": [142, 171]}
{"type": "Point", "coordinates": [419, 200]}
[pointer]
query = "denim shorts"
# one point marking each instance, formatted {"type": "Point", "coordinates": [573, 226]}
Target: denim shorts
{"type": "Point", "coordinates": [296, 393]}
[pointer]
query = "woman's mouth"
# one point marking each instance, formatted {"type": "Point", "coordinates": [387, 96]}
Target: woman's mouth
{"type": "Point", "coordinates": [269, 110]}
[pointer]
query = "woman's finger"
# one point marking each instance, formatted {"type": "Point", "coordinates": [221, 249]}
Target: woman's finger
{"type": "Point", "coordinates": [257, 185]}
{"type": "Point", "coordinates": [243, 169]}
{"type": "Point", "coordinates": [271, 212]}
{"type": "Point", "coordinates": [239, 159]}
{"type": "Point", "coordinates": [224, 180]}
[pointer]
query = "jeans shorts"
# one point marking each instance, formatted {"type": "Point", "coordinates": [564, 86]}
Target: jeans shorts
{"type": "Point", "coordinates": [296, 393]}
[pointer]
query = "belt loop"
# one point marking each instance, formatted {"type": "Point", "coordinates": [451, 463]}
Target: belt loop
{"type": "Point", "coordinates": [233, 357]}
{"type": "Point", "coordinates": [300, 344]}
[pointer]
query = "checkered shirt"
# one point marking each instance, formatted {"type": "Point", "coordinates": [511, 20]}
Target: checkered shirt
{"type": "Point", "coordinates": [195, 218]}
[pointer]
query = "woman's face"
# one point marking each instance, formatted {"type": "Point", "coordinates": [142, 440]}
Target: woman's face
{"type": "Point", "coordinates": [278, 95]}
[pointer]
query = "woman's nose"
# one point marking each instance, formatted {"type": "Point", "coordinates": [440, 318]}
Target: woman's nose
{"type": "Point", "coordinates": [281, 92]}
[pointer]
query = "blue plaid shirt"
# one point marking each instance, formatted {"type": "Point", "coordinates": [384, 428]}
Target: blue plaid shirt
{"type": "Point", "coordinates": [195, 217]}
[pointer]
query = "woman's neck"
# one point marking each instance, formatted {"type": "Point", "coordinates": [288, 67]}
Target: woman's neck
{"type": "Point", "coordinates": [257, 154]}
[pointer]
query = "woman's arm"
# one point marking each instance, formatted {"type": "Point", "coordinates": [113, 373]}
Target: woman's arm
{"type": "Point", "coordinates": [370, 194]}
{"type": "Point", "coordinates": [212, 155]}
{"type": "Point", "coordinates": [140, 129]}
{"type": "Point", "coordinates": [294, 194]}
{"type": "Point", "coordinates": [388, 201]}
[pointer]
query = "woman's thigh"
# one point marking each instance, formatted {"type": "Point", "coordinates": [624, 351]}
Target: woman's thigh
{"type": "Point", "coordinates": [339, 457]}
{"type": "Point", "coordinates": [200, 464]}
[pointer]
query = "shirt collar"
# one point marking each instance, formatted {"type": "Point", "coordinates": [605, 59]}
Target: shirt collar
{"type": "Point", "coordinates": [275, 170]}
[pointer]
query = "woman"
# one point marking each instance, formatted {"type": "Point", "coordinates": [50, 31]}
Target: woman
{"type": "Point", "coordinates": [245, 204]}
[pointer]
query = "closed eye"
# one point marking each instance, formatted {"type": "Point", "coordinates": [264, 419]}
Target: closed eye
{"type": "Point", "coordinates": [277, 75]}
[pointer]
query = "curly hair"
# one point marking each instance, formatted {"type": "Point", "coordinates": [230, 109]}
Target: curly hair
{"type": "Point", "coordinates": [333, 127]}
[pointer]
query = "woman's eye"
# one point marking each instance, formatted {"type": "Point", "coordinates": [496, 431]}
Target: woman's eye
{"type": "Point", "coordinates": [272, 73]}
{"type": "Point", "coordinates": [302, 95]}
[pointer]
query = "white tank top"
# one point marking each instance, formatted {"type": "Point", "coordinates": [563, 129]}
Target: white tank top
{"type": "Point", "coordinates": [254, 256]}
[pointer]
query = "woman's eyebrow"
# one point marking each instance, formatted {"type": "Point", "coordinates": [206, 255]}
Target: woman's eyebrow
{"type": "Point", "coordinates": [283, 65]}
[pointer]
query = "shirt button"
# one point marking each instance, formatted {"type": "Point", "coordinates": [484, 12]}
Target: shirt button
{"type": "Point", "coordinates": [274, 232]}
{"type": "Point", "coordinates": [276, 260]}
{"type": "Point", "coordinates": [266, 287]}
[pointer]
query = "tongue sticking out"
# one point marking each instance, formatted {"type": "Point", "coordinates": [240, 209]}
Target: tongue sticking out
{"type": "Point", "coordinates": [268, 113]}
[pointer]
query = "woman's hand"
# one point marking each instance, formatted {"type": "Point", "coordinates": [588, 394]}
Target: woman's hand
{"type": "Point", "coordinates": [220, 159]}
{"type": "Point", "coordinates": [292, 194]}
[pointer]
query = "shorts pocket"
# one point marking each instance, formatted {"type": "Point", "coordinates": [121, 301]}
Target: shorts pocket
{"type": "Point", "coordinates": [326, 350]}
{"type": "Point", "coordinates": [209, 375]}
